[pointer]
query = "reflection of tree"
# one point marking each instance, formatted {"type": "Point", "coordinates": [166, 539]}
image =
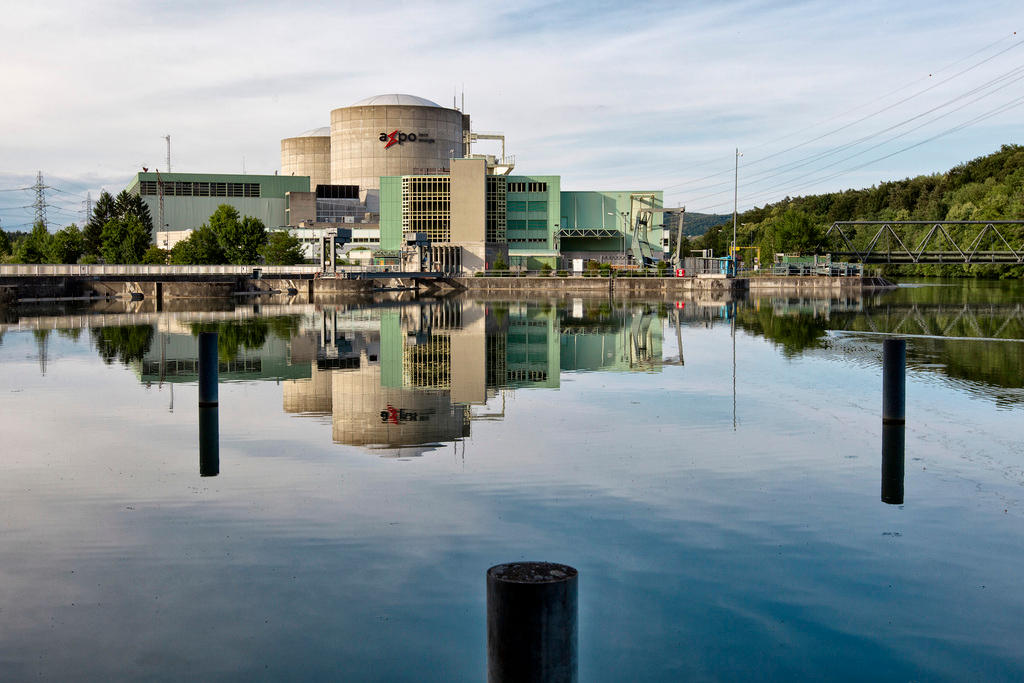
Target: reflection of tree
{"type": "Point", "coordinates": [234, 335]}
{"type": "Point", "coordinates": [793, 333]}
{"type": "Point", "coordinates": [125, 343]}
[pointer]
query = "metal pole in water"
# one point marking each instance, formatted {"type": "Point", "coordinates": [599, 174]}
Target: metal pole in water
{"type": "Point", "coordinates": [207, 369]}
{"type": "Point", "coordinates": [532, 628]}
{"type": "Point", "coordinates": [209, 428]}
{"type": "Point", "coordinates": [893, 445]}
{"type": "Point", "coordinates": [894, 381]}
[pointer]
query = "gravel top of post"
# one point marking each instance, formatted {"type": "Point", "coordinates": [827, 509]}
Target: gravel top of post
{"type": "Point", "coordinates": [532, 572]}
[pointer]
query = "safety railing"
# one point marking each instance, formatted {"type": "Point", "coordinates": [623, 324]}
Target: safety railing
{"type": "Point", "coordinates": [99, 270]}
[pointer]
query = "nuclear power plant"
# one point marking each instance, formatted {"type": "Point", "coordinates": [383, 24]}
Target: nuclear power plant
{"type": "Point", "coordinates": [396, 169]}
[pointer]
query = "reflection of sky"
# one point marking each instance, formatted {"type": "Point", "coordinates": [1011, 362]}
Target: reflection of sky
{"type": "Point", "coordinates": [704, 552]}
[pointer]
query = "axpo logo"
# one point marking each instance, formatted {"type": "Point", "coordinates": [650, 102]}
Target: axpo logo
{"type": "Point", "coordinates": [396, 137]}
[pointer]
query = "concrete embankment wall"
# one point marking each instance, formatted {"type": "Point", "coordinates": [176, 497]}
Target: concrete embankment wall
{"type": "Point", "coordinates": [169, 289]}
{"type": "Point", "coordinates": [816, 284]}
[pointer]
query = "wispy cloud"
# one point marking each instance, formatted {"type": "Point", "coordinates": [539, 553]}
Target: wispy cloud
{"type": "Point", "coordinates": [606, 94]}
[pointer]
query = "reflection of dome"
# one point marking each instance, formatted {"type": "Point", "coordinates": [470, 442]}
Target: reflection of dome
{"type": "Point", "coordinates": [396, 98]}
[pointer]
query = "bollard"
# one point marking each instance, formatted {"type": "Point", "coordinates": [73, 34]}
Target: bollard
{"type": "Point", "coordinates": [209, 442]}
{"type": "Point", "coordinates": [532, 622]}
{"type": "Point", "coordinates": [894, 381]}
{"type": "Point", "coordinates": [207, 369]}
{"type": "Point", "coordinates": [893, 445]}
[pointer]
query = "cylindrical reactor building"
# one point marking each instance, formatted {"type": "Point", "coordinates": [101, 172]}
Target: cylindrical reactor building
{"type": "Point", "coordinates": [308, 154]}
{"type": "Point", "coordinates": [391, 135]}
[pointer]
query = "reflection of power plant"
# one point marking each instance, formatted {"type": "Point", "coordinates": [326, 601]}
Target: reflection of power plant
{"type": "Point", "coordinates": [405, 377]}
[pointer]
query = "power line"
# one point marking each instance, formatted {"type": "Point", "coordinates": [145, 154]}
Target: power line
{"type": "Point", "coordinates": [994, 85]}
{"type": "Point", "coordinates": [868, 116]}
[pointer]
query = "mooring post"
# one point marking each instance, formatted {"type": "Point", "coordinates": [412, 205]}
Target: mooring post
{"type": "Point", "coordinates": [532, 626]}
{"type": "Point", "coordinates": [207, 369]}
{"type": "Point", "coordinates": [893, 444]}
{"type": "Point", "coordinates": [209, 428]}
{"type": "Point", "coordinates": [894, 381]}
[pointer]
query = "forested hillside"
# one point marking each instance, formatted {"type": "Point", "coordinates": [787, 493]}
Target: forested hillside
{"type": "Point", "coordinates": [987, 188]}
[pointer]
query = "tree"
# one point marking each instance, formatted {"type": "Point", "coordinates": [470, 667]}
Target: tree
{"type": "Point", "coordinates": [282, 249]}
{"type": "Point", "coordinates": [102, 212]}
{"type": "Point", "coordinates": [129, 204]}
{"type": "Point", "coordinates": [66, 246]}
{"type": "Point", "coordinates": [201, 248]}
{"type": "Point", "coordinates": [155, 256]}
{"type": "Point", "coordinates": [33, 247]}
{"type": "Point", "coordinates": [125, 240]}
{"type": "Point", "coordinates": [239, 238]}
{"type": "Point", "coordinates": [5, 244]}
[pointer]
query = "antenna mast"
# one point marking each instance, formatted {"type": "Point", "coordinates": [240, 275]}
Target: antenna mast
{"type": "Point", "coordinates": [168, 139]}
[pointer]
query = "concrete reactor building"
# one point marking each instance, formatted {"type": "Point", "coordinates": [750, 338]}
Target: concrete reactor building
{"type": "Point", "coordinates": [384, 135]}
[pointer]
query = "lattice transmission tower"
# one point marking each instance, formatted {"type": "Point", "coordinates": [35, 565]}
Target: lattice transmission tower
{"type": "Point", "coordinates": [40, 203]}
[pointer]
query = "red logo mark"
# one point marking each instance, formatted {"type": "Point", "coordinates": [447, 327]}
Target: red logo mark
{"type": "Point", "coordinates": [392, 139]}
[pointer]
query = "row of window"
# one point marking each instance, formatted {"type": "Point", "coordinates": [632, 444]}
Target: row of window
{"type": "Point", "coordinates": [519, 205]}
{"type": "Point", "coordinates": [519, 186]}
{"type": "Point", "coordinates": [532, 240]}
{"type": "Point", "coordinates": [188, 189]}
{"type": "Point", "coordinates": [519, 224]}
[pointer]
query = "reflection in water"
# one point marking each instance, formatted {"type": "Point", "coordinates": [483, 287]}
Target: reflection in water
{"type": "Point", "coordinates": [893, 446]}
{"type": "Point", "coordinates": [209, 442]}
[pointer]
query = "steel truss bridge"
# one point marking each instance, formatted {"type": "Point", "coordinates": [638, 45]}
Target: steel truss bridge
{"type": "Point", "coordinates": [946, 242]}
{"type": "Point", "coordinates": [970, 321]}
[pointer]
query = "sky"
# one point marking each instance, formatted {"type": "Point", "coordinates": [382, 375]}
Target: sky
{"type": "Point", "coordinates": [817, 96]}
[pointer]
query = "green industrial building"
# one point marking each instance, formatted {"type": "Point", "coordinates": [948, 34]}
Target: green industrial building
{"type": "Point", "coordinates": [471, 217]}
{"type": "Point", "coordinates": [184, 201]}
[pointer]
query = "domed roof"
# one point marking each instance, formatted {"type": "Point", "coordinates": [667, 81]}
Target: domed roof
{"type": "Point", "coordinates": [322, 132]}
{"type": "Point", "coordinates": [396, 98]}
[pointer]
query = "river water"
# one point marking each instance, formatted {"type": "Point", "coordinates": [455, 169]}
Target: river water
{"type": "Point", "coordinates": [713, 470]}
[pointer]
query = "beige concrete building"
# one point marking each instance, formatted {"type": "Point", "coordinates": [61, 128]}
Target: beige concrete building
{"type": "Point", "coordinates": [390, 135]}
{"type": "Point", "coordinates": [308, 154]}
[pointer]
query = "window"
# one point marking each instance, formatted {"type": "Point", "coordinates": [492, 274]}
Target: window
{"type": "Point", "coordinates": [537, 225]}
{"type": "Point", "coordinates": [516, 205]}
{"type": "Point", "coordinates": [538, 187]}
{"type": "Point", "coordinates": [538, 206]}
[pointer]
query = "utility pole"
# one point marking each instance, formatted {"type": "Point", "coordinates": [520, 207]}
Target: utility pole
{"type": "Point", "coordinates": [40, 203]}
{"type": "Point", "coordinates": [735, 201]}
{"type": "Point", "coordinates": [168, 139]}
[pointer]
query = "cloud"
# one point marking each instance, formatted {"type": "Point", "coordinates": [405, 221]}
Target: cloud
{"type": "Point", "coordinates": [657, 94]}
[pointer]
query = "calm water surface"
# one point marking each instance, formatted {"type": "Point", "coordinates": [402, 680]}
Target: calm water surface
{"type": "Point", "coordinates": [713, 470]}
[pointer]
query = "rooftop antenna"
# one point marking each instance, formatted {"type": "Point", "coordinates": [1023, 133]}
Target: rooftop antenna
{"type": "Point", "coordinates": [243, 164]}
{"type": "Point", "coordinates": [463, 110]}
{"type": "Point", "coordinates": [168, 139]}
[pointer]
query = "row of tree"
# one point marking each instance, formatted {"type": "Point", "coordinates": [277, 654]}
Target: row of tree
{"type": "Point", "coordinates": [987, 188]}
{"type": "Point", "coordinates": [120, 230]}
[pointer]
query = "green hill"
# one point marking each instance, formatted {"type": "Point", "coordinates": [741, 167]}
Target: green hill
{"type": "Point", "coordinates": [987, 188]}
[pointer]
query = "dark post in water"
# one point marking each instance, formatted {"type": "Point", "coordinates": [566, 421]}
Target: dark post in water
{"type": "Point", "coordinates": [207, 369]}
{"type": "Point", "coordinates": [532, 622]}
{"type": "Point", "coordinates": [209, 429]}
{"type": "Point", "coordinates": [893, 443]}
{"type": "Point", "coordinates": [894, 381]}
